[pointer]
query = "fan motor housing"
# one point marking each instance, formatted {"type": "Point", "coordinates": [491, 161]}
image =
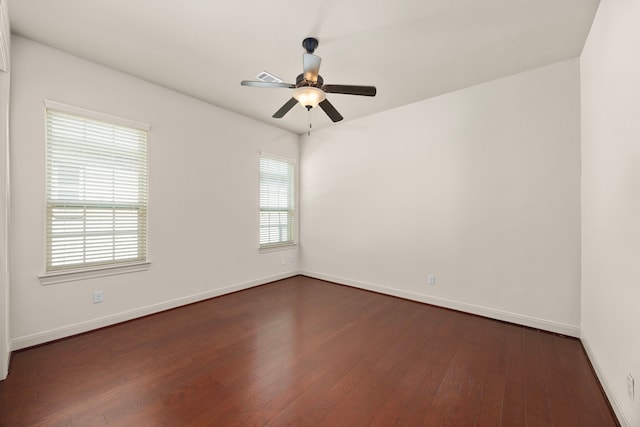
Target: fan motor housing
{"type": "Point", "coordinates": [301, 81]}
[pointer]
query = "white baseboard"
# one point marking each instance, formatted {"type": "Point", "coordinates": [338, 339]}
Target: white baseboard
{"type": "Point", "coordinates": [613, 400]}
{"type": "Point", "coordinates": [69, 330]}
{"type": "Point", "coordinates": [4, 365]}
{"type": "Point", "coordinates": [77, 328]}
{"type": "Point", "coordinates": [520, 319]}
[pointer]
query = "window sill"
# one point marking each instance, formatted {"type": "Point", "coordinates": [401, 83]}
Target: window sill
{"type": "Point", "coordinates": [89, 273]}
{"type": "Point", "coordinates": [274, 248]}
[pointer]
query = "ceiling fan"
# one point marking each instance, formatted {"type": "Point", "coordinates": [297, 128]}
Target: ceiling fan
{"type": "Point", "coordinates": [310, 89]}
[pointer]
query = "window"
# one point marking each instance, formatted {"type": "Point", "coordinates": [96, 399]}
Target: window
{"type": "Point", "coordinates": [277, 202]}
{"type": "Point", "coordinates": [96, 190]}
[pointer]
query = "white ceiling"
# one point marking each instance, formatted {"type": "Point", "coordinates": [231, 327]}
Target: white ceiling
{"type": "Point", "coordinates": [409, 49]}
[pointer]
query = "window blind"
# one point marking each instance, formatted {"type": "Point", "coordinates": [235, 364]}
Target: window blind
{"type": "Point", "coordinates": [96, 192]}
{"type": "Point", "coordinates": [277, 202]}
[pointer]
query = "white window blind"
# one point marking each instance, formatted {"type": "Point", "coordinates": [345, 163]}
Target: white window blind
{"type": "Point", "coordinates": [96, 192]}
{"type": "Point", "coordinates": [277, 202]}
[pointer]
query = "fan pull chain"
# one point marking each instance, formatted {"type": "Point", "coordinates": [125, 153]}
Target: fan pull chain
{"type": "Point", "coordinates": [309, 120]}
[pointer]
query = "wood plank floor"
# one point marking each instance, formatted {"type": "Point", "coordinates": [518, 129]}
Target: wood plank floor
{"type": "Point", "coordinates": [305, 352]}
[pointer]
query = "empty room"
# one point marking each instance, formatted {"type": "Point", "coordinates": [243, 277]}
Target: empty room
{"type": "Point", "coordinates": [340, 213]}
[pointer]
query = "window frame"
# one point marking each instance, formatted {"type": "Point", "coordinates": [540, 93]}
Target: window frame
{"type": "Point", "coordinates": [292, 212]}
{"type": "Point", "coordinates": [86, 270]}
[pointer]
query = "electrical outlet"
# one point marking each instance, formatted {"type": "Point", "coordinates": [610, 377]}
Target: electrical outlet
{"type": "Point", "coordinates": [631, 386]}
{"type": "Point", "coordinates": [431, 279]}
{"type": "Point", "coordinates": [292, 259]}
{"type": "Point", "coordinates": [98, 297]}
{"type": "Point", "coordinates": [284, 261]}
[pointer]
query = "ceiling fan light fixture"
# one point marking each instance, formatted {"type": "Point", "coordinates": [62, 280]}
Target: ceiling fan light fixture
{"type": "Point", "coordinates": [309, 89]}
{"type": "Point", "coordinates": [309, 96]}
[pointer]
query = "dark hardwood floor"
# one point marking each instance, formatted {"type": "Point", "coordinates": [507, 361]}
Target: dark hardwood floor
{"type": "Point", "coordinates": [305, 352]}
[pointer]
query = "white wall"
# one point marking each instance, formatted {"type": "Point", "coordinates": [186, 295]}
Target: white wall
{"type": "Point", "coordinates": [610, 79]}
{"type": "Point", "coordinates": [4, 205]}
{"type": "Point", "coordinates": [203, 208]}
{"type": "Point", "coordinates": [479, 187]}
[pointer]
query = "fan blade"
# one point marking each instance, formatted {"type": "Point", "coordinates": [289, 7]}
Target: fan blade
{"type": "Point", "coordinates": [267, 84]}
{"type": "Point", "coordinates": [331, 111]}
{"type": "Point", "coordinates": [311, 66]}
{"type": "Point", "coordinates": [285, 108]}
{"type": "Point", "coordinates": [350, 89]}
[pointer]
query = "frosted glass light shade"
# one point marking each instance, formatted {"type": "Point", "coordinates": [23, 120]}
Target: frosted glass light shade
{"type": "Point", "coordinates": [309, 96]}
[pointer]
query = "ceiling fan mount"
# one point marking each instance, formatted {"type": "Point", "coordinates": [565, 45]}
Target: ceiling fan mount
{"type": "Point", "coordinates": [310, 44]}
{"type": "Point", "coordinates": [309, 89]}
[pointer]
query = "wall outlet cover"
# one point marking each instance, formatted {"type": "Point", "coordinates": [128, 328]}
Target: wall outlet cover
{"type": "Point", "coordinates": [98, 297]}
